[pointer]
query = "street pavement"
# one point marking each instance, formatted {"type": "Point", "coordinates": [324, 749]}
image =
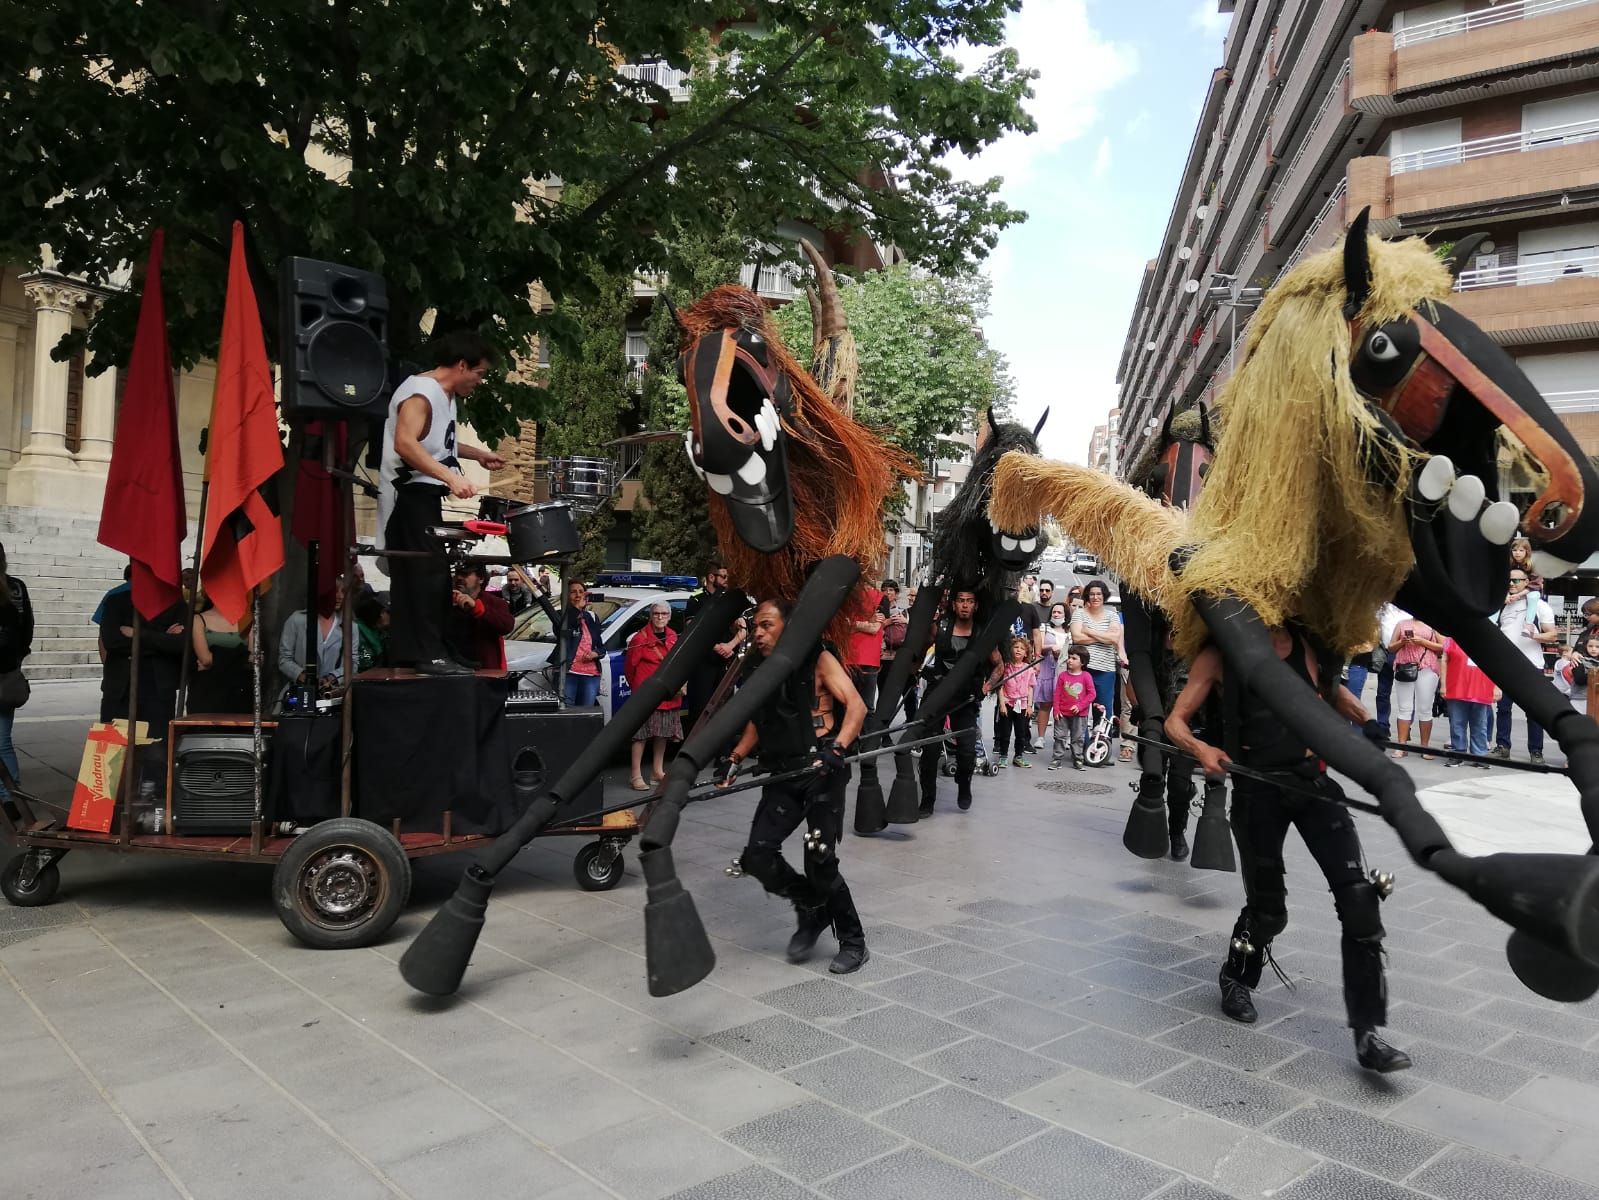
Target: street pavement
{"type": "Point", "coordinates": [1039, 1018]}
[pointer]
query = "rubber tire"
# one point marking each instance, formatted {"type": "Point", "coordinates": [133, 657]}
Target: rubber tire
{"type": "Point", "coordinates": [379, 845]}
{"type": "Point", "coordinates": [45, 884]}
{"type": "Point", "coordinates": [586, 868]}
{"type": "Point", "coordinates": [1097, 753]}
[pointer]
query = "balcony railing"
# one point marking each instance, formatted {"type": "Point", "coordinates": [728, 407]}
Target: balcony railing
{"type": "Point", "coordinates": [1584, 261]}
{"type": "Point", "coordinates": [773, 282]}
{"type": "Point", "coordinates": [1504, 143]}
{"type": "Point", "coordinates": [636, 366]}
{"type": "Point", "coordinates": [1338, 91]}
{"type": "Point", "coordinates": [1320, 219]}
{"type": "Point", "coordinates": [1585, 400]}
{"type": "Point", "coordinates": [675, 81]}
{"type": "Point", "coordinates": [1498, 15]}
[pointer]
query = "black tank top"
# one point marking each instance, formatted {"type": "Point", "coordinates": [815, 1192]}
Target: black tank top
{"type": "Point", "coordinates": [1264, 742]}
{"type": "Point", "coordinates": [785, 723]}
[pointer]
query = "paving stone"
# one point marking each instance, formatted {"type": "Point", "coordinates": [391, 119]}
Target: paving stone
{"type": "Point", "coordinates": [860, 1080]}
{"type": "Point", "coordinates": [1131, 1060]}
{"type": "Point", "coordinates": [1559, 1024]}
{"type": "Point", "coordinates": [879, 967]}
{"type": "Point", "coordinates": [776, 1042]}
{"type": "Point", "coordinates": [1473, 1121]}
{"type": "Point", "coordinates": [1501, 983]}
{"type": "Point", "coordinates": [1127, 1013]}
{"type": "Point", "coordinates": [1466, 1174]}
{"type": "Point", "coordinates": [1225, 1093]}
{"type": "Point", "coordinates": [1141, 979]}
{"type": "Point", "coordinates": [900, 1031]}
{"type": "Point", "coordinates": [888, 938]}
{"type": "Point", "coordinates": [989, 1067]}
{"type": "Point", "coordinates": [1332, 1181]}
{"type": "Point", "coordinates": [1341, 1079]}
{"type": "Point", "coordinates": [820, 998]}
{"type": "Point", "coordinates": [913, 1174]}
{"type": "Point", "coordinates": [1151, 951]}
{"type": "Point", "coordinates": [1466, 1072]}
{"type": "Point", "coordinates": [811, 1140]}
{"type": "Point", "coordinates": [1002, 912]}
{"type": "Point", "coordinates": [1353, 1137]}
{"type": "Point", "coordinates": [1206, 1001]}
{"type": "Point", "coordinates": [1068, 928]}
{"type": "Point", "coordinates": [1096, 1171]}
{"type": "Point", "coordinates": [960, 1123]}
{"type": "Point", "coordinates": [1037, 984]}
{"type": "Point", "coordinates": [1448, 1029]}
{"type": "Point", "coordinates": [1554, 1058]}
{"type": "Point", "coordinates": [1316, 1030]}
{"type": "Point", "coordinates": [1166, 929]}
{"type": "Point", "coordinates": [1229, 1042]}
{"type": "Point", "coordinates": [932, 991]}
{"type": "Point", "coordinates": [752, 1183]}
{"type": "Point", "coordinates": [1086, 908]}
{"type": "Point", "coordinates": [954, 959]}
{"type": "Point", "coordinates": [1065, 957]}
{"type": "Point", "coordinates": [1188, 1189]}
{"type": "Point", "coordinates": [1016, 1021]}
{"type": "Point", "coordinates": [1562, 1099]}
{"type": "Point", "coordinates": [981, 935]}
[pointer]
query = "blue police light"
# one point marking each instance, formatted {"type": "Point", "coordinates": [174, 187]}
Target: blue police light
{"type": "Point", "coordinates": [644, 579]}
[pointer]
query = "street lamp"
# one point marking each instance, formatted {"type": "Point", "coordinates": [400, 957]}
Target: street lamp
{"type": "Point", "coordinates": [1225, 291]}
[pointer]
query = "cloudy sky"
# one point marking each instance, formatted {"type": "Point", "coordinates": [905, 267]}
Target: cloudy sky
{"type": "Point", "coordinates": [1119, 89]}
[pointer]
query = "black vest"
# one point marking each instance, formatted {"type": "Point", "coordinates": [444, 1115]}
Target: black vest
{"type": "Point", "coordinates": [784, 723]}
{"type": "Point", "coordinates": [1261, 740]}
{"type": "Point", "coordinates": [945, 653]}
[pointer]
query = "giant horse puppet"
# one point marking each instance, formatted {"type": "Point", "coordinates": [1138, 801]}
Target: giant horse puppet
{"type": "Point", "coordinates": [796, 493]}
{"type": "Point", "coordinates": [1361, 442]}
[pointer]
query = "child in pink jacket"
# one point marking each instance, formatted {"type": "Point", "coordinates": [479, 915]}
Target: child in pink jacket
{"type": "Point", "coordinates": [1074, 699]}
{"type": "Point", "coordinates": [1015, 701]}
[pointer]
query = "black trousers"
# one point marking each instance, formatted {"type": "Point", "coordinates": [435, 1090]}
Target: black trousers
{"type": "Point", "coordinates": [1179, 791]}
{"type": "Point", "coordinates": [419, 588]}
{"type": "Point", "coordinates": [865, 681]}
{"type": "Point", "coordinates": [1005, 723]}
{"type": "Point", "coordinates": [1261, 817]}
{"type": "Point", "coordinates": [819, 802]}
{"type": "Point", "coordinates": [963, 724]}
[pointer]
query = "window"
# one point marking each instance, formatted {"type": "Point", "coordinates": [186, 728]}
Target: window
{"type": "Point", "coordinates": [1560, 122]}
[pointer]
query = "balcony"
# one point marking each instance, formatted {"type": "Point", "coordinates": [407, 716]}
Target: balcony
{"type": "Point", "coordinates": [1509, 47]}
{"type": "Point", "coordinates": [675, 82]}
{"type": "Point", "coordinates": [1585, 401]}
{"type": "Point", "coordinates": [636, 366]}
{"type": "Point", "coordinates": [1546, 300]}
{"type": "Point", "coordinates": [772, 282]}
{"type": "Point", "coordinates": [1529, 172]}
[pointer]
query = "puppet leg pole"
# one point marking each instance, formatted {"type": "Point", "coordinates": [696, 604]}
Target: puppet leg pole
{"type": "Point", "coordinates": [1147, 834]}
{"type": "Point", "coordinates": [1553, 898]}
{"type": "Point", "coordinates": [677, 952]}
{"type": "Point", "coordinates": [872, 815]}
{"type": "Point", "coordinates": [437, 959]}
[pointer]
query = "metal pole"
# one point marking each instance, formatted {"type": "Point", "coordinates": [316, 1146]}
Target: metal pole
{"type": "Point", "coordinates": [125, 834]}
{"type": "Point", "coordinates": [187, 660]}
{"type": "Point", "coordinates": [255, 721]}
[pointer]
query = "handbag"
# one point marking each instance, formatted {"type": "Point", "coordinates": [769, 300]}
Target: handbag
{"type": "Point", "coordinates": [14, 689]}
{"type": "Point", "coordinates": [1407, 672]}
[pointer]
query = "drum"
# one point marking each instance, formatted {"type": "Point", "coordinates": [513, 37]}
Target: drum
{"type": "Point", "coordinates": [537, 531]}
{"type": "Point", "coordinates": [584, 483]}
{"type": "Point", "coordinates": [494, 508]}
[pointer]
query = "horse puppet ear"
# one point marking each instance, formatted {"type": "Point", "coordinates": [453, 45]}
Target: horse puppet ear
{"type": "Point", "coordinates": [1204, 424]}
{"type": "Point", "coordinates": [1357, 265]}
{"type": "Point", "coordinates": [677, 318]}
{"type": "Point", "coordinates": [993, 425]}
{"type": "Point", "coordinates": [1039, 428]}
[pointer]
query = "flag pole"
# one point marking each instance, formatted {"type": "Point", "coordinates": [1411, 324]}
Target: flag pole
{"type": "Point", "coordinates": [191, 605]}
{"type": "Point", "coordinates": [345, 501]}
{"type": "Point", "coordinates": [125, 796]}
{"type": "Point", "coordinates": [255, 720]}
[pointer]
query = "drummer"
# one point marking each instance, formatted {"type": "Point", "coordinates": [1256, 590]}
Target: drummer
{"type": "Point", "coordinates": [421, 462]}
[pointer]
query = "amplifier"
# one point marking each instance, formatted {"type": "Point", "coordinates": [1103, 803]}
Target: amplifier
{"type": "Point", "coordinates": [213, 781]}
{"type": "Point", "coordinates": [548, 743]}
{"type": "Point", "coordinates": [529, 697]}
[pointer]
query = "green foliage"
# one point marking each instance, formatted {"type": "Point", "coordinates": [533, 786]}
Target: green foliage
{"type": "Point", "coordinates": [405, 137]}
{"type": "Point", "coordinates": [925, 369]}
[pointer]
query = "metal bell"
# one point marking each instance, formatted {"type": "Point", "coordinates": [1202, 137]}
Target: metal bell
{"type": "Point", "coordinates": [814, 843]}
{"type": "Point", "coordinates": [1242, 945]}
{"type": "Point", "coordinates": [1383, 881]}
{"type": "Point", "coordinates": [734, 870]}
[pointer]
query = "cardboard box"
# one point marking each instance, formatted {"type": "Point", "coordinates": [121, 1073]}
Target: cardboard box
{"type": "Point", "coordinates": [94, 796]}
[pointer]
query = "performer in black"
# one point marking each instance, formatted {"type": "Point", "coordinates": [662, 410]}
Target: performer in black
{"type": "Point", "coordinates": [954, 631]}
{"type": "Point", "coordinates": [812, 720]}
{"type": "Point", "coordinates": [421, 462]}
{"type": "Point", "coordinates": [707, 673]}
{"type": "Point", "coordinates": [1256, 737]}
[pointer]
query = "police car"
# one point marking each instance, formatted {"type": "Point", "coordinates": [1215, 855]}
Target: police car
{"type": "Point", "coordinates": [621, 602]}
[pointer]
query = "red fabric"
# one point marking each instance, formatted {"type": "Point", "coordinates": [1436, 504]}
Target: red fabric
{"type": "Point", "coordinates": [1068, 705]}
{"type": "Point", "coordinates": [643, 657]}
{"type": "Point", "coordinates": [866, 649]}
{"type": "Point", "coordinates": [491, 621]}
{"type": "Point", "coordinates": [143, 514]}
{"type": "Point", "coordinates": [242, 539]}
{"type": "Point", "coordinates": [316, 506]}
{"type": "Point", "coordinates": [1465, 679]}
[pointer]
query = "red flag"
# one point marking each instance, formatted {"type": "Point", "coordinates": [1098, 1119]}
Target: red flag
{"type": "Point", "coordinates": [242, 539]}
{"type": "Point", "coordinates": [318, 512]}
{"type": "Point", "coordinates": [143, 515]}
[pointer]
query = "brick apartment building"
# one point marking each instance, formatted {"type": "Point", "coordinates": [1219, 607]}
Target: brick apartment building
{"type": "Point", "coordinates": [1445, 118]}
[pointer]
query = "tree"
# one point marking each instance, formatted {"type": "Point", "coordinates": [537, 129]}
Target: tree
{"type": "Point", "coordinates": [925, 369]}
{"type": "Point", "coordinates": [408, 138]}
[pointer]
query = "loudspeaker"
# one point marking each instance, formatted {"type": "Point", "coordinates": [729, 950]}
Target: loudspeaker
{"type": "Point", "coordinates": [335, 330]}
{"type": "Point", "coordinates": [548, 743]}
{"type": "Point", "coordinates": [213, 782]}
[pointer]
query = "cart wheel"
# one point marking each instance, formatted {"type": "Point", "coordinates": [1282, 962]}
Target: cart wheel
{"type": "Point", "coordinates": [341, 884]}
{"type": "Point", "coordinates": [598, 866]}
{"type": "Point", "coordinates": [40, 890]}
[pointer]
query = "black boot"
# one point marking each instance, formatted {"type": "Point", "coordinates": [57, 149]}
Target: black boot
{"type": "Point", "coordinates": [849, 959]}
{"type": "Point", "coordinates": [1377, 1055]}
{"type": "Point", "coordinates": [1235, 999]}
{"type": "Point", "coordinates": [812, 921]}
{"type": "Point", "coordinates": [1179, 846]}
{"type": "Point", "coordinates": [963, 797]}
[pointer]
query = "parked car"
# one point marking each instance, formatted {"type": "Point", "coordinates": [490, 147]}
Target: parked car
{"type": "Point", "coordinates": [621, 603]}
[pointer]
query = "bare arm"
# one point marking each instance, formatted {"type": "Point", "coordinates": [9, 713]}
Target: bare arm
{"type": "Point", "coordinates": [1348, 706]}
{"type": "Point", "coordinates": [1202, 677]}
{"type": "Point", "coordinates": [202, 652]}
{"type": "Point", "coordinates": [478, 454]}
{"type": "Point", "coordinates": [410, 426]}
{"type": "Point", "coordinates": [745, 746]}
{"type": "Point", "coordinates": [833, 680]}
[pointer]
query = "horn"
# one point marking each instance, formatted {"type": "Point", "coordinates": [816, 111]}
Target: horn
{"type": "Point", "coordinates": [1039, 428]}
{"type": "Point", "coordinates": [677, 318]}
{"type": "Point", "coordinates": [1357, 264]}
{"type": "Point", "coordinates": [993, 425]}
{"type": "Point", "coordinates": [827, 310]}
{"type": "Point", "coordinates": [1204, 425]}
{"type": "Point", "coordinates": [1213, 838]}
{"type": "Point", "coordinates": [1463, 251]}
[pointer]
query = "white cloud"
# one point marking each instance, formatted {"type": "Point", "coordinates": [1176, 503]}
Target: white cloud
{"type": "Point", "coordinates": [1076, 66]}
{"type": "Point", "coordinates": [1139, 125]}
{"type": "Point", "coordinates": [1207, 16]}
{"type": "Point", "coordinates": [1101, 166]}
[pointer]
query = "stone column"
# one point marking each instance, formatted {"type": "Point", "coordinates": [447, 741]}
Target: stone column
{"type": "Point", "coordinates": [45, 476]}
{"type": "Point", "coordinates": [98, 422]}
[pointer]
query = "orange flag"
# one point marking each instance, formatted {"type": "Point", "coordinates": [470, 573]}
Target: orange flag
{"type": "Point", "coordinates": [243, 539]}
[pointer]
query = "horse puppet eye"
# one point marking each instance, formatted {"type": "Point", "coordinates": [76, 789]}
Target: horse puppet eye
{"type": "Point", "coordinates": [1381, 347]}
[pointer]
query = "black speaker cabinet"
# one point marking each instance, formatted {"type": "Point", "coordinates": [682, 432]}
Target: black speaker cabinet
{"type": "Point", "coordinates": [335, 329]}
{"type": "Point", "coordinates": [549, 742]}
{"type": "Point", "coordinates": [213, 781]}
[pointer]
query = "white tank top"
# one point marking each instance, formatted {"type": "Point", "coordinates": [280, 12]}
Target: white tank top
{"type": "Point", "coordinates": [438, 439]}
